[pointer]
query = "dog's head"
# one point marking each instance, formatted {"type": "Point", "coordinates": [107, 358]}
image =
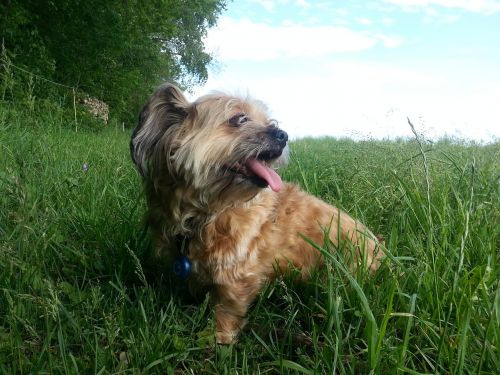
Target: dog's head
{"type": "Point", "coordinates": [220, 145]}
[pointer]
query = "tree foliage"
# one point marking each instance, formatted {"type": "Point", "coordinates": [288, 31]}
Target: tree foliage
{"type": "Point", "coordinates": [114, 50]}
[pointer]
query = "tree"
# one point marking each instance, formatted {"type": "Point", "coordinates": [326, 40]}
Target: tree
{"type": "Point", "coordinates": [114, 50]}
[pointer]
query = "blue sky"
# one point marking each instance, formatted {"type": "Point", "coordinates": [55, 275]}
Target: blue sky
{"type": "Point", "coordinates": [358, 69]}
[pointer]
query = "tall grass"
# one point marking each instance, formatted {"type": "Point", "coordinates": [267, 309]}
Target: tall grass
{"type": "Point", "coordinates": [79, 295]}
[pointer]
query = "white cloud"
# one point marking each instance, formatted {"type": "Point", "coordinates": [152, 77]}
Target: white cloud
{"type": "Point", "coordinates": [477, 6]}
{"type": "Point", "coordinates": [364, 21]}
{"type": "Point", "coordinates": [387, 21]}
{"type": "Point", "coordinates": [449, 18]}
{"type": "Point", "coordinates": [269, 5]}
{"type": "Point", "coordinates": [266, 4]}
{"type": "Point", "coordinates": [246, 40]}
{"type": "Point", "coordinates": [389, 41]}
{"type": "Point", "coordinates": [302, 3]}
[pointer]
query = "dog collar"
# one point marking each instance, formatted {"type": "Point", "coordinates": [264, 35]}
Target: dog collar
{"type": "Point", "coordinates": [182, 267]}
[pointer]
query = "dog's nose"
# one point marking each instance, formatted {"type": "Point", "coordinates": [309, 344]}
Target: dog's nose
{"type": "Point", "coordinates": [279, 135]}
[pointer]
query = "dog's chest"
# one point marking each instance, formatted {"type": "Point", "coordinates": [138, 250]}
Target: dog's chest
{"type": "Point", "coordinates": [233, 241]}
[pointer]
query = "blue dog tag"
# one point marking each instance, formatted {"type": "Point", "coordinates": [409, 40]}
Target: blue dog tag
{"type": "Point", "coordinates": [182, 267]}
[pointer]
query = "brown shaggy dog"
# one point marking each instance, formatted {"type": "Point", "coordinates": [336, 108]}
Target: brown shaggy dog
{"type": "Point", "coordinates": [208, 172]}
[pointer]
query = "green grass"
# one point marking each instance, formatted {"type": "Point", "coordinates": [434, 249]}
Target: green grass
{"type": "Point", "coordinates": [78, 294]}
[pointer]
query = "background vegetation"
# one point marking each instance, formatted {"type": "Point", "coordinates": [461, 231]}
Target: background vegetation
{"type": "Point", "coordinates": [116, 51]}
{"type": "Point", "coordinates": [79, 294]}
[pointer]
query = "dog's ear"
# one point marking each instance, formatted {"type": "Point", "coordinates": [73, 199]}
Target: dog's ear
{"type": "Point", "coordinates": [158, 125]}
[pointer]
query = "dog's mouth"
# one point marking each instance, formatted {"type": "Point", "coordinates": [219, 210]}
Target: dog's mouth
{"type": "Point", "coordinates": [258, 171]}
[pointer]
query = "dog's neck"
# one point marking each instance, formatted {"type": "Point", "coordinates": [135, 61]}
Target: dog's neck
{"type": "Point", "coordinates": [187, 211]}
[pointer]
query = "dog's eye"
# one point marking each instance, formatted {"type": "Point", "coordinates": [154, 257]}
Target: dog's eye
{"type": "Point", "coordinates": [238, 120]}
{"type": "Point", "coordinates": [273, 122]}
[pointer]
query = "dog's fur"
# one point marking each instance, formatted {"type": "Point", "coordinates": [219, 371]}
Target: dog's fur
{"type": "Point", "coordinates": [206, 171]}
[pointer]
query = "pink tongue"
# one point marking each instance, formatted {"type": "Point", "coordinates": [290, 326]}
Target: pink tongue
{"type": "Point", "coordinates": [266, 173]}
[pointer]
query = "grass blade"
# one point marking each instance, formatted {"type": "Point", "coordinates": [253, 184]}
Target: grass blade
{"type": "Point", "coordinates": [406, 339]}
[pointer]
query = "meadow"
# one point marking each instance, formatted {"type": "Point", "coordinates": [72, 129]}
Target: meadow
{"type": "Point", "coordinates": [79, 292]}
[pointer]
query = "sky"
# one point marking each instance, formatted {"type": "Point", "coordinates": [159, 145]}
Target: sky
{"type": "Point", "coordinates": [359, 69]}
